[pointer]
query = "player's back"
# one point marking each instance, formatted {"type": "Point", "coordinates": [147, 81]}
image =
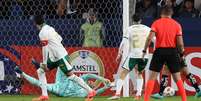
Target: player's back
{"type": "Point", "coordinates": [137, 38]}
{"type": "Point", "coordinates": [166, 30]}
{"type": "Point", "coordinates": [55, 48]}
{"type": "Point", "coordinates": [68, 87]}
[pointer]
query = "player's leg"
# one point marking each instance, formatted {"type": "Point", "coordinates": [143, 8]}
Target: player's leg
{"type": "Point", "coordinates": [67, 69]}
{"type": "Point", "coordinates": [127, 66]}
{"type": "Point", "coordinates": [34, 81]}
{"type": "Point", "coordinates": [190, 78]}
{"type": "Point", "coordinates": [119, 84]}
{"type": "Point", "coordinates": [179, 82]}
{"type": "Point", "coordinates": [28, 78]}
{"type": "Point", "coordinates": [174, 65]}
{"type": "Point", "coordinates": [41, 69]}
{"type": "Point", "coordinates": [163, 83]}
{"type": "Point", "coordinates": [150, 84]}
{"type": "Point", "coordinates": [140, 81]}
{"type": "Point", "coordinates": [42, 78]}
{"type": "Point", "coordinates": [157, 62]}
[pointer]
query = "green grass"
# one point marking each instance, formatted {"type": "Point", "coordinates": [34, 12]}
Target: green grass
{"type": "Point", "coordinates": [54, 98]}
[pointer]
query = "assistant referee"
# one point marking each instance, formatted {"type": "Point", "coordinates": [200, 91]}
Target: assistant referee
{"type": "Point", "coordinates": [168, 34]}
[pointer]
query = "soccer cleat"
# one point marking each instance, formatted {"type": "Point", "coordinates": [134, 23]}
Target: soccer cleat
{"type": "Point", "coordinates": [157, 96]}
{"type": "Point", "coordinates": [198, 94]}
{"type": "Point", "coordinates": [41, 98]}
{"type": "Point", "coordinates": [35, 63]}
{"type": "Point", "coordinates": [91, 95]}
{"type": "Point", "coordinates": [18, 70]}
{"type": "Point", "coordinates": [115, 97]}
{"type": "Point", "coordinates": [137, 97]}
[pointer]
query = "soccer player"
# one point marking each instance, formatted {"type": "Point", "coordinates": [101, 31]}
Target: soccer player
{"type": "Point", "coordinates": [135, 37]}
{"type": "Point", "coordinates": [65, 87]}
{"type": "Point", "coordinates": [55, 55]}
{"type": "Point", "coordinates": [168, 34]}
{"type": "Point", "coordinates": [189, 76]}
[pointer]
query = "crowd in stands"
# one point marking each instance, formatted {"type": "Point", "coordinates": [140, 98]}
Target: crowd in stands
{"type": "Point", "coordinates": [62, 8]}
{"type": "Point", "coordinates": [57, 8]}
{"type": "Point", "coordinates": [182, 8]}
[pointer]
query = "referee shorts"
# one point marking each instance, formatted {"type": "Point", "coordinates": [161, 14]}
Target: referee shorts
{"type": "Point", "coordinates": [168, 56]}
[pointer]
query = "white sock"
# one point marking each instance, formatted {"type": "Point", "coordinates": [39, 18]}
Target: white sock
{"type": "Point", "coordinates": [42, 78]}
{"type": "Point", "coordinates": [139, 87]}
{"type": "Point", "coordinates": [119, 86]}
{"type": "Point", "coordinates": [81, 82]}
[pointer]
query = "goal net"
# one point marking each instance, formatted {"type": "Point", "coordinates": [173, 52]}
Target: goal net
{"type": "Point", "coordinates": [20, 43]}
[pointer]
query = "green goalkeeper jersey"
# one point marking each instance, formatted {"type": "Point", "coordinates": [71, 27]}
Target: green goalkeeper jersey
{"type": "Point", "coordinates": [66, 87]}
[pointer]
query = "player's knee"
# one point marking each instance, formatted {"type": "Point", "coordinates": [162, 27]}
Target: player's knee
{"type": "Point", "coordinates": [123, 74]}
{"type": "Point", "coordinates": [176, 76]}
{"type": "Point", "coordinates": [153, 75]}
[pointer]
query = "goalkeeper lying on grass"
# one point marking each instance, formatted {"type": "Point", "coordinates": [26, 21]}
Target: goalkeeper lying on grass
{"type": "Point", "coordinates": [63, 86]}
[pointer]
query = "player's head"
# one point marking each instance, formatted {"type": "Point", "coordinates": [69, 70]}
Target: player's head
{"type": "Point", "coordinates": [166, 11]}
{"type": "Point", "coordinates": [92, 15]}
{"type": "Point", "coordinates": [136, 18]}
{"type": "Point", "coordinates": [188, 4]}
{"type": "Point", "coordinates": [38, 21]}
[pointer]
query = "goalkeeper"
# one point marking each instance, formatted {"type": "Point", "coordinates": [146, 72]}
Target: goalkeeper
{"type": "Point", "coordinates": [65, 87]}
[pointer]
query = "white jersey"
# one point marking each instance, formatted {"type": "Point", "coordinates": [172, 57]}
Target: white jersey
{"type": "Point", "coordinates": [137, 35]}
{"type": "Point", "coordinates": [52, 46]}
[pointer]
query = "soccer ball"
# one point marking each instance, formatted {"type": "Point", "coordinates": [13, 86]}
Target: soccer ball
{"type": "Point", "coordinates": [169, 91]}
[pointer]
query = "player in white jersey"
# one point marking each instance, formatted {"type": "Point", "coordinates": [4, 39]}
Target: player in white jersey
{"type": "Point", "coordinates": [55, 55]}
{"type": "Point", "coordinates": [135, 38]}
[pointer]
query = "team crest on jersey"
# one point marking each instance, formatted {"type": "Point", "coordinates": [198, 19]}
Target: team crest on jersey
{"type": "Point", "coordinates": [85, 61]}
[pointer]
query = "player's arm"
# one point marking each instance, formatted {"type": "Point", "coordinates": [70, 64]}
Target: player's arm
{"type": "Point", "coordinates": [180, 42]}
{"type": "Point", "coordinates": [124, 45]}
{"type": "Point", "coordinates": [149, 40]}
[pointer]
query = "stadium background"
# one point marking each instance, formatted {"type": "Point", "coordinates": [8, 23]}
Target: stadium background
{"type": "Point", "coordinates": [19, 40]}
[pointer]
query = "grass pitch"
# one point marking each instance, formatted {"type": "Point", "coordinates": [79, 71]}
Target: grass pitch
{"type": "Point", "coordinates": [54, 98]}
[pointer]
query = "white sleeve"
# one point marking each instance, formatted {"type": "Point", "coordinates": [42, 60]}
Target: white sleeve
{"type": "Point", "coordinates": [123, 42]}
{"type": "Point", "coordinates": [44, 43]}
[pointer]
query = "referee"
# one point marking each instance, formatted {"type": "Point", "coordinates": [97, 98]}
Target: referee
{"type": "Point", "coordinates": [168, 34]}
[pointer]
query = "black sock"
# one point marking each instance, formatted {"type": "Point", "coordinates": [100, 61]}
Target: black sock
{"type": "Point", "coordinates": [193, 82]}
{"type": "Point", "coordinates": [163, 84]}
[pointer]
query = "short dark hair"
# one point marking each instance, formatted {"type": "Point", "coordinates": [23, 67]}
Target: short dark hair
{"type": "Point", "coordinates": [38, 19]}
{"type": "Point", "coordinates": [136, 17]}
{"type": "Point", "coordinates": [192, 1]}
{"type": "Point", "coordinates": [167, 10]}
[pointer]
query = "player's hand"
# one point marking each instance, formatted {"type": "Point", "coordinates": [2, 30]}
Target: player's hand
{"type": "Point", "coordinates": [143, 55]}
{"type": "Point", "coordinates": [44, 66]}
{"type": "Point", "coordinates": [118, 58]}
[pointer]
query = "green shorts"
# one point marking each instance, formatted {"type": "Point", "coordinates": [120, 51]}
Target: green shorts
{"type": "Point", "coordinates": [63, 64]}
{"type": "Point", "coordinates": [130, 63]}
